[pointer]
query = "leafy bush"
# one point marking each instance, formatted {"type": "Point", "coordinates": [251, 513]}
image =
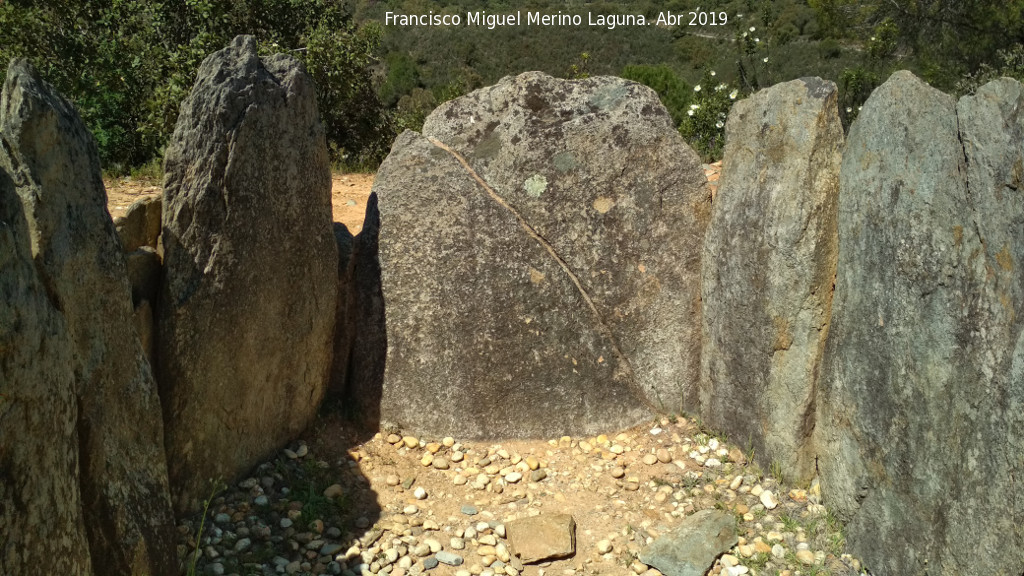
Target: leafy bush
{"type": "Point", "coordinates": [704, 125]}
{"type": "Point", "coordinates": [675, 94]}
{"type": "Point", "coordinates": [128, 64]}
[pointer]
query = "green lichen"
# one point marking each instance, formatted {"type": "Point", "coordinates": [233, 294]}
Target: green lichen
{"type": "Point", "coordinates": [535, 185]}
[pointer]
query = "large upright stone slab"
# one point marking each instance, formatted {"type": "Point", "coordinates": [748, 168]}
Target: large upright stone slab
{"type": "Point", "coordinates": [540, 247]}
{"type": "Point", "coordinates": [920, 409]}
{"type": "Point", "coordinates": [246, 317]}
{"type": "Point", "coordinates": [769, 262]}
{"type": "Point", "coordinates": [41, 522]}
{"type": "Point", "coordinates": [54, 164]}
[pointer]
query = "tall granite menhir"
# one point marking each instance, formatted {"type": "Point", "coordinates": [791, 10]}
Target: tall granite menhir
{"type": "Point", "coordinates": [247, 307]}
{"type": "Point", "coordinates": [53, 161]}
{"type": "Point", "coordinates": [768, 266]}
{"type": "Point", "coordinates": [540, 256]}
{"type": "Point", "coordinates": [921, 407]}
{"type": "Point", "coordinates": [41, 520]}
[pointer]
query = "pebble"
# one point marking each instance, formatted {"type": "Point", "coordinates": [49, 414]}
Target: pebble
{"type": "Point", "coordinates": [768, 500]}
{"type": "Point", "coordinates": [394, 439]}
{"type": "Point", "coordinates": [333, 491]}
{"type": "Point", "coordinates": [778, 551]}
{"type": "Point", "coordinates": [448, 558]}
{"type": "Point", "coordinates": [805, 557]}
{"type": "Point", "coordinates": [430, 563]}
{"type": "Point", "coordinates": [420, 493]}
{"type": "Point", "coordinates": [392, 480]}
{"type": "Point", "coordinates": [457, 543]}
{"type": "Point", "coordinates": [513, 477]}
{"type": "Point", "coordinates": [618, 472]}
{"type": "Point", "coordinates": [440, 463]}
{"type": "Point", "coordinates": [469, 510]}
{"type": "Point", "coordinates": [604, 546]}
{"type": "Point", "coordinates": [650, 460]}
{"type": "Point", "coordinates": [538, 475]}
{"type": "Point", "coordinates": [663, 456]}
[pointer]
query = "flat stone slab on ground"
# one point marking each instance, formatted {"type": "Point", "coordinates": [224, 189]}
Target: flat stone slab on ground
{"type": "Point", "coordinates": [545, 537]}
{"type": "Point", "coordinates": [692, 547]}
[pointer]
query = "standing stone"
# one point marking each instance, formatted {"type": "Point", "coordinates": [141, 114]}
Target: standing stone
{"type": "Point", "coordinates": [920, 414]}
{"type": "Point", "coordinates": [41, 522]}
{"type": "Point", "coordinates": [140, 225]}
{"type": "Point", "coordinates": [691, 548]}
{"type": "Point", "coordinates": [247, 308]}
{"type": "Point", "coordinates": [54, 163]}
{"type": "Point", "coordinates": [768, 267]}
{"type": "Point", "coordinates": [540, 252]}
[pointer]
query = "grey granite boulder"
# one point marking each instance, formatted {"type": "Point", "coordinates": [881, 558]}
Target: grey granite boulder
{"type": "Point", "coordinates": [540, 253]}
{"type": "Point", "coordinates": [54, 164]}
{"type": "Point", "coordinates": [247, 306]}
{"type": "Point", "coordinates": [769, 262]}
{"type": "Point", "coordinates": [140, 226]}
{"type": "Point", "coordinates": [919, 416]}
{"type": "Point", "coordinates": [41, 521]}
{"type": "Point", "coordinates": [690, 549]}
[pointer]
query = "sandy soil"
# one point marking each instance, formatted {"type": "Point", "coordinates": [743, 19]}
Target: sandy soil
{"type": "Point", "coordinates": [348, 196]}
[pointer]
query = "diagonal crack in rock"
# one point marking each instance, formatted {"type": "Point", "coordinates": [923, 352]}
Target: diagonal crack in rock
{"type": "Point", "coordinates": [601, 325]}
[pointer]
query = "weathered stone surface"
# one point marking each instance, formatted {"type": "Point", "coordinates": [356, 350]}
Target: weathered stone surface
{"type": "Point", "coordinates": [691, 548]}
{"type": "Point", "coordinates": [41, 520]}
{"type": "Point", "coordinates": [140, 225]}
{"type": "Point", "coordinates": [922, 388]}
{"type": "Point", "coordinates": [54, 164]}
{"type": "Point", "coordinates": [248, 302]}
{"type": "Point", "coordinates": [768, 267]}
{"type": "Point", "coordinates": [540, 248]}
{"type": "Point", "coordinates": [143, 268]}
{"type": "Point", "coordinates": [545, 537]}
{"type": "Point", "coordinates": [143, 318]}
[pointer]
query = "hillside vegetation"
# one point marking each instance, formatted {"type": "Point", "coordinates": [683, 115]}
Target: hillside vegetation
{"type": "Point", "coordinates": [128, 63]}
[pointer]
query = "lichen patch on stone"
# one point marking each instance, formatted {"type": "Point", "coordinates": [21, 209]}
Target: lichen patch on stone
{"type": "Point", "coordinates": [535, 185]}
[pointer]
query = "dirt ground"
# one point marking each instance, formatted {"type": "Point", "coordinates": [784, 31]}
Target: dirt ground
{"type": "Point", "coordinates": [348, 196]}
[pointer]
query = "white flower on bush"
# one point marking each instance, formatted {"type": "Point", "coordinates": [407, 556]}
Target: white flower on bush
{"type": "Point", "coordinates": [689, 112]}
{"type": "Point", "coordinates": [752, 28]}
{"type": "Point", "coordinates": [696, 88]}
{"type": "Point", "coordinates": [719, 124]}
{"type": "Point", "coordinates": [712, 72]}
{"type": "Point", "coordinates": [765, 59]}
{"type": "Point", "coordinates": [734, 94]}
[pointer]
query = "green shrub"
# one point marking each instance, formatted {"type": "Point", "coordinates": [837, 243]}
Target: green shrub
{"type": "Point", "coordinates": [128, 64]}
{"type": "Point", "coordinates": [675, 94]}
{"type": "Point", "coordinates": [704, 125]}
